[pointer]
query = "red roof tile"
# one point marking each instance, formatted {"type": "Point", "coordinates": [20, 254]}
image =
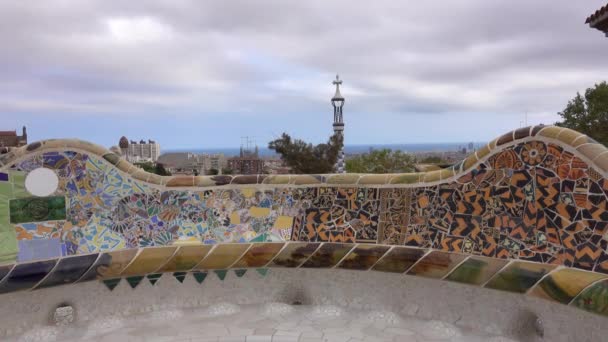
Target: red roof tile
{"type": "Point", "coordinates": [8, 133]}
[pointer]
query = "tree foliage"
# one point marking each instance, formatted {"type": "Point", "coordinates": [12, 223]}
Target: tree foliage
{"type": "Point", "coordinates": [588, 114]}
{"type": "Point", "coordinates": [381, 161]}
{"type": "Point", "coordinates": [431, 160]}
{"type": "Point", "coordinates": [303, 157]}
{"type": "Point", "coordinates": [158, 168]}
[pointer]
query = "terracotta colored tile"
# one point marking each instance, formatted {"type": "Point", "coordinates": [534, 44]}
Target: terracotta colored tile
{"type": "Point", "coordinates": [519, 276]}
{"type": "Point", "coordinates": [363, 257]}
{"type": "Point", "coordinates": [259, 255]}
{"type": "Point", "coordinates": [564, 284]}
{"type": "Point", "coordinates": [222, 256]}
{"type": "Point", "coordinates": [294, 254]}
{"type": "Point", "coordinates": [222, 180]}
{"type": "Point", "coordinates": [436, 264]}
{"type": "Point", "coordinates": [328, 255]}
{"type": "Point", "coordinates": [521, 133]}
{"type": "Point", "coordinates": [149, 260]}
{"type": "Point", "coordinates": [476, 270]}
{"type": "Point", "coordinates": [505, 139]}
{"type": "Point", "coordinates": [399, 259]}
{"type": "Point", "coordinates": [185, 258]}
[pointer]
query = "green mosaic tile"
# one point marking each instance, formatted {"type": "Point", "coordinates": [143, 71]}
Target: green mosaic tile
{"type": "Point", "coordinates": [36, 209]}
{"type": "Point", "coordinates": [476, 270]}
{"type": "Point", "coordinates": [180, 276]}
{"type": "Point", "coordinates": [519, 276]}
{"type": "Point", "coordinates": [8, 244]}
{"type": "Point", "coordinates": [240, 273]}
{"type": "Point", "coordinates": [153, 278]}
{"type": "Point", "coordinates": [221, 274]}
{"type": "Point", "coordinates": [594, 298]}
{"type": "Point", "coordinates": [199, 276]}
{"type": "Point", "coordinates": [134, 281]}
{"type": "Point", "coordinates": [111, 283]}
{"type": "Point", "coordinates": [262, 271]}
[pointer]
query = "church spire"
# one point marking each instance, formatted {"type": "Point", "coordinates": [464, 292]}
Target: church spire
{"type": "Point", "coordinates": [338, 102]}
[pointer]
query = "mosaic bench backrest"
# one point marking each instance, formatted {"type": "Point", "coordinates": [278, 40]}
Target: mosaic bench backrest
{"type": "Point", "coordinates": [526, 213]}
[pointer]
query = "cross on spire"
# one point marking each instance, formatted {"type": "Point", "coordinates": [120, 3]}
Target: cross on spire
{"type": "Point", "coordinates": [338, 81]}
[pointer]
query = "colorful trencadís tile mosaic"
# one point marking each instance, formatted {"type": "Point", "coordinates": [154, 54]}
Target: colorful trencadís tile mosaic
{"type": "Point", "coordinates": [436, 264]}
{"type": "Point", "coordinates": [519, 276]}
{"type": "Point", "coordinates": [564, 284]}
{"type": "Point", "coordinates": [476, 270]}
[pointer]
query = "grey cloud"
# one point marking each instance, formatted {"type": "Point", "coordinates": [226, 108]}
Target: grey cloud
{"type": "Point", "coordinates": [397, 56]}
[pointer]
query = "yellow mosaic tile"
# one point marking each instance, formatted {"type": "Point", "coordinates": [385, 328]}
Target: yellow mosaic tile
{"type": "Point", "coordinates": [149, 260]}
{"type": "Point", "coordinates": [305, 179]}
{"type": "Point", "coordinates": [343, 178]}
{"type": "Point", "coordinates": [550, 132]}
{"type": "Point", "coordinates": [568, 136]}
{"type": "Point", "coordinates": [222, 256]}
{"type": "Point", "coordinates": [591, 151]}
{"type": "Point", "coordinates": [185, 258]}
{"type": "Point", "coordinates": [406, 178]}
{"type": "Point", "coordinates": [373, 179]}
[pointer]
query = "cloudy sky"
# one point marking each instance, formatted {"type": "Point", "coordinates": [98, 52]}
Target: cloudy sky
{"type": "Point", "coordinates": [205, 73]}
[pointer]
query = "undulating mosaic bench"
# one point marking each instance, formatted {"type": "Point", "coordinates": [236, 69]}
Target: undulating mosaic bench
{"type": "Point", "coordinates": [526, 213]}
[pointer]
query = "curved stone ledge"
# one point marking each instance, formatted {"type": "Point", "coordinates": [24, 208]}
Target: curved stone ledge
{"type": "Point", "coordinates": [587, 147]}
{"type": "Point", "coordinates": [526, 214]}
{"type": "Point", "coordinates": [582, 289]}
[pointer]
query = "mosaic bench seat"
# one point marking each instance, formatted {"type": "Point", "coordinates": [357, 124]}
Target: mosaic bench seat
{"type": "Point", "coordinates": [525, 214]}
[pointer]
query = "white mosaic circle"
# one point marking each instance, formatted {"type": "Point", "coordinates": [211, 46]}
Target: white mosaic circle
{"type": "Point", "coordinates": [41, 182]}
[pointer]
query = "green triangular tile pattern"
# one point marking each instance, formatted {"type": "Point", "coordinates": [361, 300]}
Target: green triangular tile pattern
{"type": "Point", "coordinates": [111, 283]}
{"type": "Point", "coordinates": [221, 274]}
{"type": "Point", "coordinates": [240, 273]}
{"type": "Point", "coordinates": [262, 271]}
{"type": "Point", "coordinates": [153, 278]}
{"type": "Point", "coordinates": [199, 276]}
{"type": "Point", "coordinates": [134, 281]}
{"type": "Point", "coordinates": [180, 276]}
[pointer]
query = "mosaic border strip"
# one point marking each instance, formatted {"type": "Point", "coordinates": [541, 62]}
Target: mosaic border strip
{"type": "Point", "coordinates": [594, 152]}
{"type": "Point", "coordinates": [578, 288]}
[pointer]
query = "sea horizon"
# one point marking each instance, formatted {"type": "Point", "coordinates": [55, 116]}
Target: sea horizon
{"type": "Point", "coordinates": [348, 149]}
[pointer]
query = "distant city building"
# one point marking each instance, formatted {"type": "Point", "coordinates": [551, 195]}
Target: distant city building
{"type": "Point", "coordinates": [599, 20]}
{"type": "Point", "coordinates": [141, 151]}
{"type": "Point", "coordinates": [11, 139]}
{"type": "Point", "coordinates": [247, 163]}
{"type": "Point", "coordinates": [275, 165]}
{"type": "Point", "coordinates": [190, 163]}
{"type": "Point", "coordinates": [338, 102]}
